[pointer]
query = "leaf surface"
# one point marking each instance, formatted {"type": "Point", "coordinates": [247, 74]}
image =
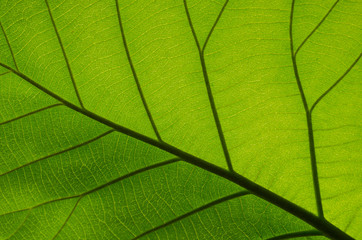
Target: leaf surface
{"type": "Point", "coordinates": [180, 119]}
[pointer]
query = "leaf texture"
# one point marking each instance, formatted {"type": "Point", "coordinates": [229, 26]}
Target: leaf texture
{"type": "Point", "coordinates": [180, 119]}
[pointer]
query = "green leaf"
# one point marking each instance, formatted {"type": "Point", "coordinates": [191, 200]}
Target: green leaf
{"type": "Point", "coordinates": [180, 119]}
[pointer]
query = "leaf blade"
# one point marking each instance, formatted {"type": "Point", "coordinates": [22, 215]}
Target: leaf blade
{"type": "Point", "coordinates": [80, 161]}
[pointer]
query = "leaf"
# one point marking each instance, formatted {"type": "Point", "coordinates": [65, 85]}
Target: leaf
{"type": "Point", "coordinates": [180, 119]}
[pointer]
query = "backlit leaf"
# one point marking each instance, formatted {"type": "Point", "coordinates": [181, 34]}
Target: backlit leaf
{"type": "Point", "coordinates": [180, 119]}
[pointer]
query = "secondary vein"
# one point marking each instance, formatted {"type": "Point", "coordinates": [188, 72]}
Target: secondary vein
{"type": "Point", "coordinates": [135, 74]}
{"type": "Point", "coordinates": [31, 113]}
{"type": "Point", "coordinates": [67, 219]}
{"type": "Point", "coordinates": [297, 235]}
{"type": "Point", "coordinates": [318, 25]}
{"type": "Point", "coordinates": [336, 83]}
{"type": "Point", "coordinates": [312, 152]}
{"type": "Point", "coordinates": [207, 83]}
{"type": "Point", "coordinates": [214, 25]}
{"type": "Point", "coordinates": [199, 209]}
{"type": "Point", "coordinates": [321, 224]}
{"type": "Point", "coordinates": [60, 152]}
{"type": "Point", "coordinates": [8, 42]}
{"type": "Point", "coordinates": [4, 73]}
{"type": "Point", "coordinates": [131, 174]}
{"type": "Point", "coordinates": [20, 226]}
{"type": "Point", "coordinates": [64, 55]}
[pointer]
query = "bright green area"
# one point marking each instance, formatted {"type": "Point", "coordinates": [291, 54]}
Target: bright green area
{"type": "Point", "coordinates": [64, 175]}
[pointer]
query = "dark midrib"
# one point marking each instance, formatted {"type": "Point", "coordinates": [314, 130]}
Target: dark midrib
{"type": "Point", "coordinates": [135, 75]}
{"type": "Point", "coordinates": [8, 43]}
{"type": "Point", "coordinates": [323, 225]}
{"type": "Point", "coordinates": [199, 209]}
{"type": "Point", "coordinates": [207, 82]}
{"type": "Point", "coordinates": [64, 55]}
{"type": "Point", "coordinates": [316, 186]}
{"type": "Point", "coordinates": [310, 233]}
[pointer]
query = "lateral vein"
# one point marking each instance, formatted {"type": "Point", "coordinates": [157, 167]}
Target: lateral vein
{"type": "Point", "coordinates": [214, 25]}
{"type": "Point", "coordinates": [67, 219]}
{"type": "Point", "coordinates": [207, 82]}
{"type": "Point", "coordinates": [336, 83]}
{"type": "Point", "coordinates": [4, 73]}
{"type": "Point", "coordinates": [310, 233]}
{"type": "Point", "coordinates": [10, 48]}
{"type": "Point", "coordinates": [321, 224]}
{"type": "Point", "coordinates": [312, 152]}
{"type": "Point", "coordinates": [60, 152]}
{"type": "Point", "coordinates": [199, 209]}
{"type": "Point", "coordinates": [131, 174]}
{"type": "Point", "coordinates": [64, 55]}
{"type": "Point", "coordinates": [30, 113]}
{"type": "Point", "coordinates": [135, 74]}
{"type": "Point", "coordinates": [318, 25]}
{"type": "Point", "coordinates": [20, 226]}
